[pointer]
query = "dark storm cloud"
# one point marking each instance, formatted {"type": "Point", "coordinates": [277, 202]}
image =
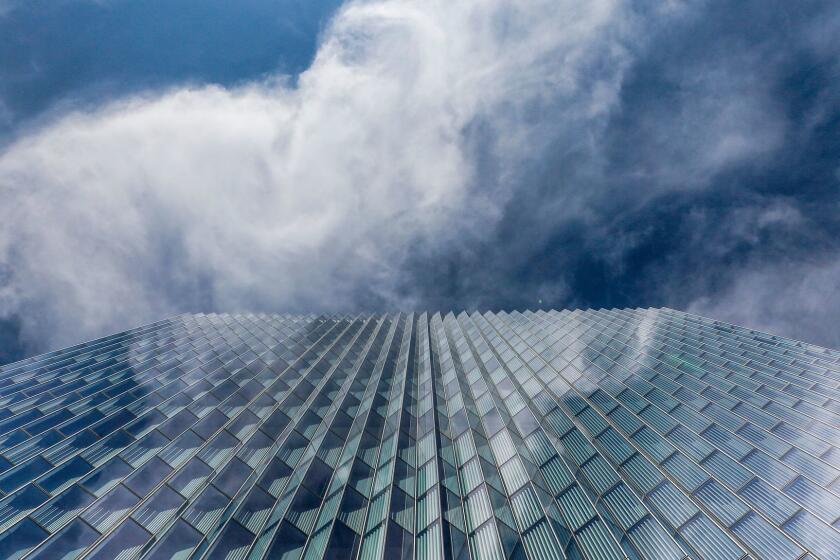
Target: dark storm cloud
{"type": "Point", "coordinates": [715, 185]}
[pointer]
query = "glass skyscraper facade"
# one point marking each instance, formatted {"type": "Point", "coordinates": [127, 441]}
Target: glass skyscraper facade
{"type": "Point", "coordinates": [597, 434]}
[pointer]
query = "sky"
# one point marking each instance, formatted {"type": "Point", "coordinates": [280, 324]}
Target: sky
{"type": "Point", "coordinates": [168, 156]}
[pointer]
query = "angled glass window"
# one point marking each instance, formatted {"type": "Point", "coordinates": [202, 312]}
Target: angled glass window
{"type": "Point", "coordinates": [177, 543]}
{"type": "Point", "coordinates": [159, 509]}
{"type": "Point", "coordinates": [20, 539]}
{"type": "Point", "coordinates": [124, 542]}
{"type": "Point", "coordinates": [109, 509]}
{"type": "Point", "coordinates": [583, 434]}
{"type": "Point", "coordinates": [148, 476]}
{"type": "Point", "coordinates": [68, 544]}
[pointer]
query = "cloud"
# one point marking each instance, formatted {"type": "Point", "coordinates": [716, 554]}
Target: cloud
{"type": "Point", "coordinates": [474, 154]}
{"type": "Point", "coordinates": [270, 196]}
{"type": "Point", "coordinates": [786, 298]}
{"type": "Point", "coordinates": [717, 159]}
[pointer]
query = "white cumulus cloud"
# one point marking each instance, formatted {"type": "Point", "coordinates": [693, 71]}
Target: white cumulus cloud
{"type": "Point", "coordinates": [273, 196]}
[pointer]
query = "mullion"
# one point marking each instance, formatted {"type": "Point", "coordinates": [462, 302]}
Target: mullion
{"type": "Point", "coordinates": [174, 472]}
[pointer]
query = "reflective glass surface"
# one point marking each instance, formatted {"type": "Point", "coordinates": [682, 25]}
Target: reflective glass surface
{"type": "Point", "coordinates": [597, 434]}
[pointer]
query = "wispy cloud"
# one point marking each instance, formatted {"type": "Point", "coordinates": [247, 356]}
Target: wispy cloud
{"type": "Point", "coordinates": [453, 154]}
{"type": "Point", "coordinates": [269, 196]}
{"type": "Point", "coordinates": [717, 161]}
{"type": "Point", "coordinates": [788, 298]}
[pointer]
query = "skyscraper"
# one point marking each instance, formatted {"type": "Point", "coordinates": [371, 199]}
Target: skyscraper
{"type": "Point", "coordinates": [646, 433]}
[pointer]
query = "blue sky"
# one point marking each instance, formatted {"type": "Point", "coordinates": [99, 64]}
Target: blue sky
{"type": "Point", "coordinates": [158, 157]}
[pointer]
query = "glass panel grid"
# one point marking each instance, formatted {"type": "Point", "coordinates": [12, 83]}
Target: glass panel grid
{"type": "Point", "coordinates": [636, 433]}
